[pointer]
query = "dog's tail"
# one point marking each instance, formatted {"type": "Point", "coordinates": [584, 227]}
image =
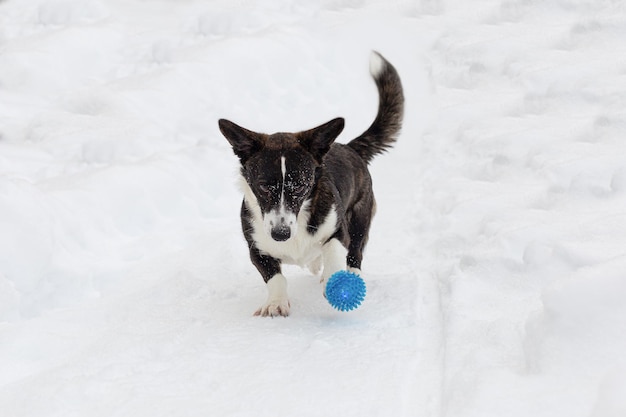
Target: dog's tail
{"type": "Point", "coordinates": [383, 132]}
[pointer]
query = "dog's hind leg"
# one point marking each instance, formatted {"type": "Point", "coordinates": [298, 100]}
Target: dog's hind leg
{"type": "Point", "coordinates": [358, 230]}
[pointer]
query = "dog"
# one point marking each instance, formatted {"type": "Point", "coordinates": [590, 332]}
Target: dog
{"type": "Point", "coordinates": [307, 200]}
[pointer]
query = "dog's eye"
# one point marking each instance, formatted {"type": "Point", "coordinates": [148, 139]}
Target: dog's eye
{"type": "Point", "coordinates": [299, 189]}
{"type": "Point", "coordinates": [265, 188]}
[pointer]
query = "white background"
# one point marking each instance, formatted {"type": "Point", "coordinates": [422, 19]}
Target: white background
{"type": "Point", "coordinates": [496, 264]}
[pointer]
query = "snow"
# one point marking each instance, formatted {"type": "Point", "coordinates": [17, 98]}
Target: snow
{"type": "Point", "coordinates": [495, 268]}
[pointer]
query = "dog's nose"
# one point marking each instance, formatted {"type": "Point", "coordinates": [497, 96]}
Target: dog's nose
{"type": "Point", "coordinates": [281, 233]}
{"type": "Point", "coordinates": [280, 226]}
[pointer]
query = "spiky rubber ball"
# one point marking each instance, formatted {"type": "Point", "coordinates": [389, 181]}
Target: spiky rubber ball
{"type": "Point", "coordinates": [345, 290]}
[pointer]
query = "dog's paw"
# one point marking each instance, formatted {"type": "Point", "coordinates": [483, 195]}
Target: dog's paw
{"type": "Point", "coordinates": [356, 271]}
{"type": "Point", "coordinates": [315, 266]}
{"type": "Point", "coordinates": [277, 303]}
{"type": "Point", "coordinates": [274, 308]}
{"type": "Point", "coordinates": [323, 283]}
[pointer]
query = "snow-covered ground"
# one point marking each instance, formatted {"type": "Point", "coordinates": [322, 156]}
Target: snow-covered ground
{"type": "Point", "coordinates": [496, 267]}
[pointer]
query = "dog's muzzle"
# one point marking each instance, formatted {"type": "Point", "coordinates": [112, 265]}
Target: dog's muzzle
{"type": "Point", "coordinates": [281, 232]}
{"type": "Point", "coordinates": [280, 226]}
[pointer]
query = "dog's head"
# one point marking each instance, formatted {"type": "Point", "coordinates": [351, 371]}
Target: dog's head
{"type": "Point", "coordinates": [281, 169]}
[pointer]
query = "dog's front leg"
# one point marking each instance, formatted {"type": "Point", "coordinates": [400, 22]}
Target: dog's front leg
{"type": "Point", "coordinates": [334, 256]}
{"type": "Point", "coordinates": [277, 303]}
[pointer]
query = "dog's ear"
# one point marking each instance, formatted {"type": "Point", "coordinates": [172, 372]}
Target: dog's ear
{"type": "Point", "coordinates": [318, 140]}
{"type": "Point", "coordinates": [245, 142]}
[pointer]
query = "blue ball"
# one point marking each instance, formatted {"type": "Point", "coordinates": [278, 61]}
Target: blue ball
{"type": "Point", "coordinates": [345, 290]}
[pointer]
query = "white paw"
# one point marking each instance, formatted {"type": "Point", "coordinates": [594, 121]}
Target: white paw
{"type": "Point", "coordinates": [277, 303]}
{"type": "Point", "coordinates": [355, 271]}
{"type": "Point", "coordinates": [323, 282]}
{"type": "Point", "coordinates": [274, 308]}
{"type": "Point", "coordinates": [315, 266]}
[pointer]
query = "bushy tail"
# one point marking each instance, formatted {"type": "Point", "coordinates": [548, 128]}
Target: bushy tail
{"type": "Point", "coordinates": [383, 132]}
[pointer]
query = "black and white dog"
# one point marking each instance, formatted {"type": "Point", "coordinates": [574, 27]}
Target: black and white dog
{"type": "Point", "coordinates": [309, 201]}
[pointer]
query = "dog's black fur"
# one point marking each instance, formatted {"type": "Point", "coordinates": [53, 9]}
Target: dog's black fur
{"type": "Point", "coordinates": [304, 180]}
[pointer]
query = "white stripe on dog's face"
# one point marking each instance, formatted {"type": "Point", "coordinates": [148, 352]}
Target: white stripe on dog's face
{"type": "Point", "coordinates": [280, 223]}
{"type": "Point", "coordinates": [283, 171]}
{"type": "Point", "coordinates": [283, 168]}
